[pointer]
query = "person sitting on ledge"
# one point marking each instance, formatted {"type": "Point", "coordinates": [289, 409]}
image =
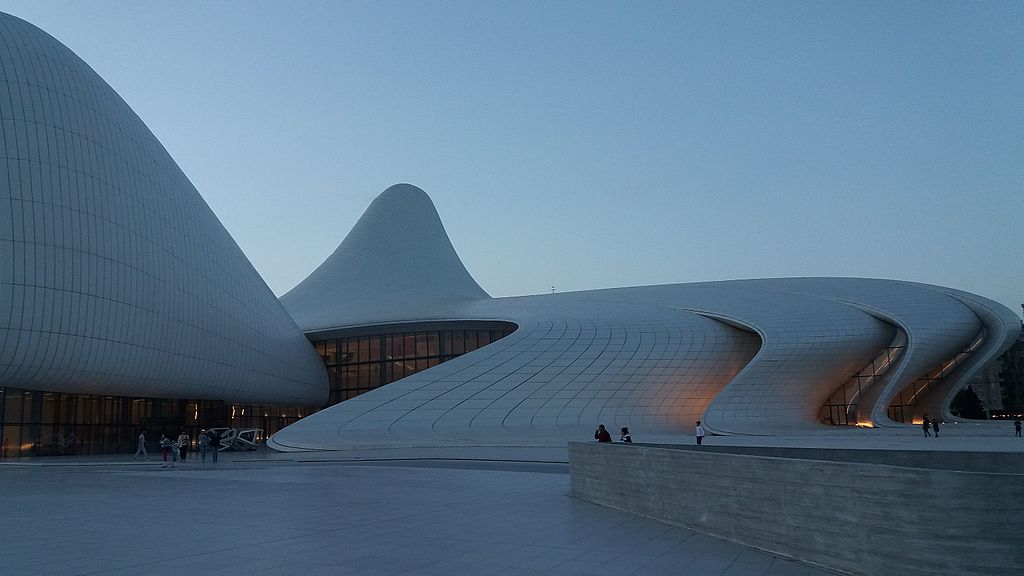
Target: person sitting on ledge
{"type": "Point", "coordinates": [602, 435]}
{"type": "Point", "coordinates": [624, 437]}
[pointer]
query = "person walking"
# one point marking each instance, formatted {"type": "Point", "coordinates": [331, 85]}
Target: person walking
{"type": "Point", "coordinates": [699, 432]}
{"type": "Point", "coordinates": [625, 437]}
{"type": "Point", "coordinates": [183, 445]}
{"type": "Point", "coordinates": [165, 448]}
{"type": "Point", "coordinates": [174, 453]}
{"type": "Point", "coordinates": [602, 435]}
{"type": "Point", "coordinates": [215, 444]}
{"type": "Point", "coordinates": [926, 425]}
{"type": "Point", "coordinates": [141, 446]}
{"type": "Point", "coordinates": [1016, 426]}
{"type": "Point", "coordinates": [204, 444]}
{"type": "Point", "coordinates": [935, 427]}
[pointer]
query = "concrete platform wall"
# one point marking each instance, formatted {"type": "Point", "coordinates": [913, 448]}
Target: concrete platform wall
{"type": "Point", "coordinates": [854, 517]}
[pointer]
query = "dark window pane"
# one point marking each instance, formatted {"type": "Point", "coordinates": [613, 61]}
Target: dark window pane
{"type": "Point", "coordinates": [374, 355]}
{"type": "Point", "coordinates": [409, 343]}
{"type": "Point", "coordinates": [12, 406]}
{"type": "Point", "coordinates": [421, 344]}
{"type": "Point", "coordinates": [364, 350]}
{"type": "Point", "coordinates": [374, 375]}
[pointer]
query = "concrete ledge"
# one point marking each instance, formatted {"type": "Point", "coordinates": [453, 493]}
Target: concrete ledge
{"type": "Point", "coordinates": [836, 510]}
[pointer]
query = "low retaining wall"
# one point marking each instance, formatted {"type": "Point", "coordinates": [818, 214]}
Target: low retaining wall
{"type": "Point", "coordinates": [853, 516]}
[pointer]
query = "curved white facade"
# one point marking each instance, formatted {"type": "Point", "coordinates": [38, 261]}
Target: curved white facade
{"type": "Point", "coordinates": [115, 276]}
{"type": "Point", "coordinates": [745, 356]}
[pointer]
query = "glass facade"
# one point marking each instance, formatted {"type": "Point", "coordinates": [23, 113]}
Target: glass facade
{"type": "Point", "coordinates": [39, 423]}
{"type": "Point", "coordinates": [902, 407]}
{"type": "Point", "coordinates": [360, 363]}
{"type": "Point", "coordinates": [841, 407]}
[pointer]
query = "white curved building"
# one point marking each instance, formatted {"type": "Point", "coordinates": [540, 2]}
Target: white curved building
{"type": "Point", "coordinates": [770, 356]}
{"type": "Point", "coordinates": [115, 276]}
{"type": "Point", "coordinates": [124, 303]}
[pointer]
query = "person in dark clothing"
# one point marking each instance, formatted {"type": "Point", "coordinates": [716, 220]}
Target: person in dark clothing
{"type": "Point", "coordinates": [925, 425]}
{"type": "Point", "coordinates": [1016, 426]}
{"type": "Point", "coordinates": [602, 435]}
{"type": "Point", "coordinates": [214, 445]}
{"type": "Point", "coordinates": [625, 437]}
{"type": "Point", "coordinates": [935, 427]}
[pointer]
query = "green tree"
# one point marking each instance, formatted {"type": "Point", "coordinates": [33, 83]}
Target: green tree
{"type": "Point", "coordinates": [968, 405]}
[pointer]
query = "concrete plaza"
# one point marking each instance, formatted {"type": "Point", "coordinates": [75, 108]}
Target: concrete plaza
{"type": "Point", "coordinates": [266, 513]}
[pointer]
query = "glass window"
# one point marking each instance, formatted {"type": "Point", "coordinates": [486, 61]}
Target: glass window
{"type": "Point", "coordinates": [364, 349]}
{"type": "Point", "coordinates": [397, 370]}
{"type": "Point", "coordinates": [49, 408]}
{"type": "Point", "coordinates": [409, 345]}
{"type": "Point", "coordinates": [12, 406]}
{"type": "Point", "coordinates": [433, 344]}
{"type": "Point", "coordinates": [349, 377]}
{"type": "Point", "coordinates": [374, 355]}
{"type": "Point", "coordinates": [457, 343]}
{"type": "Point", "coordinates": [374, 375]}
{"type": "Point", "coordinates": [421, 344]}
{"type": "Point", "coordinates": [11, 444]}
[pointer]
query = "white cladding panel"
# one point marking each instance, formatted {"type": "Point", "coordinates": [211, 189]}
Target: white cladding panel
{"type": "Point", "coordinates": [115, 276]}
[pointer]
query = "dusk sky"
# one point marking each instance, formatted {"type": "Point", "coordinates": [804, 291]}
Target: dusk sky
{"type": "Point", "coordinates": [593, 144]}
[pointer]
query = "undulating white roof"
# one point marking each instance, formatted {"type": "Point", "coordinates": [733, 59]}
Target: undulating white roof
{"type": "Point", "coordinates": [744, 356]}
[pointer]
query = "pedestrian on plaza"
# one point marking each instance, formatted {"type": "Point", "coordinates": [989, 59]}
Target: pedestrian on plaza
{"type": "Point", "coordinates": [141, 449]}
{"type": "Point", "coordinates": [215, 444]}
{"type": "Point", "coordinates": [625, 437]}
{"type": "Point", "coordinates": [174, 453]}
{"type": "Point", "coordinates": [165, 448]}
{"type": "Point", "coordinates": [183, 445]}
{"type": "Point", "coordinates": [935, 427]}
{"type": "Point", "coordinates": [699, 432]}
{"type": "Point", "coordinates": [926, 425]}
{"type": "Point", "coordinates": [1016, 426]}
{"type": "Point", "coordinates": [602, 435]}
{"type": "Point", "coordinates": [204, 443]}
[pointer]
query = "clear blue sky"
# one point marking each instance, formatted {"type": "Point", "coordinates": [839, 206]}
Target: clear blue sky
{"type": "Point", "coordinates": [593, 144]}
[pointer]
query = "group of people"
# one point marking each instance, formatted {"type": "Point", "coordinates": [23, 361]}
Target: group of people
{"type": "Point", "coordinates": [602, 435]}
{"type": "Point", "coordinates": [177, 449]}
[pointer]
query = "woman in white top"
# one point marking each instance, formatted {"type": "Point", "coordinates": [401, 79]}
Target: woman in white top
{"type": "Point", "coordinates": [700, 433]}
{"type": "Point", "coordinates": [183, 444]}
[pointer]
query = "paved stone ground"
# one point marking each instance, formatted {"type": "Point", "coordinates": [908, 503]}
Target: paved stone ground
{"type": "Point", "coordinates": [274, 514]}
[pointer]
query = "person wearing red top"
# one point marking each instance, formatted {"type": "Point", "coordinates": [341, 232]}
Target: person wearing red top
{"type": "Point", "coordinates": [602, 435]}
